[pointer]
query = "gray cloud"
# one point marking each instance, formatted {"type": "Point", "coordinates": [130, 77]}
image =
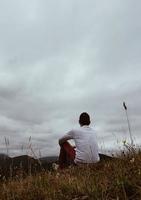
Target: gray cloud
{"type": "Point", "coordinates": [58, 59]}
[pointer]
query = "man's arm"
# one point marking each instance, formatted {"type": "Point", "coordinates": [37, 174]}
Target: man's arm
{"type": "Point", "coordinates": [65, 138]}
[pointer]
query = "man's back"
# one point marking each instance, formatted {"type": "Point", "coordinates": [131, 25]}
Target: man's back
{"type": "Point", "coordinates": [86, 144]}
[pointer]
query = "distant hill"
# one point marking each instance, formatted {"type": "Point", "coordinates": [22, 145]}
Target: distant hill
{"type": "Point", "coordinates": [25, 164]}
{"type": "Point", "coordinates": [55, 158]}
{"type": "Point", "coordinates": [49, 159]}
{"type": "Point", "coordinates": [46, 162]}
{"type": "Point", "coordinates": [4, 156]}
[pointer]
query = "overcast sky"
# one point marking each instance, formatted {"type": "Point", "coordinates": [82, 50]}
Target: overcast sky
{"type": "Point", "coordinates": [60, 58]}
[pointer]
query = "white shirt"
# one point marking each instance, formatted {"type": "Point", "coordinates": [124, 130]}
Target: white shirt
{"type": "Point", "coordinates": [86, 144]}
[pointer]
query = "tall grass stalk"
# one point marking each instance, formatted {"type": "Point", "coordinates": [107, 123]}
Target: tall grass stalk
{"type": "Point", "coordinates": [128, 122]}
{"type": "Point", "coordinates": [7, 145]}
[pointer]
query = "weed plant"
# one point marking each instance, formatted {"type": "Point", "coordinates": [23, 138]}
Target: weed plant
{"type": "Point", "coordinates": [118, 179]}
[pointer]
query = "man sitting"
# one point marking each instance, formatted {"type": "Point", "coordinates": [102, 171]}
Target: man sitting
{"type": "Point", "coordinates": [86, 150]}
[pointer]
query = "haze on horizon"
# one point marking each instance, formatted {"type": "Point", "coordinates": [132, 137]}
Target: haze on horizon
{"type": "Point", "coordinates": [60, 58]}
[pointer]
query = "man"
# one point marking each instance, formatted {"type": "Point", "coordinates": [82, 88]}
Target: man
{"type": "Point", "coordinates": [86, 150]}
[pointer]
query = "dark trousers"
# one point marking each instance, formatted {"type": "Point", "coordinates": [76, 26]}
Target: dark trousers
{"type": "Point", "coordinates": [67, 155]}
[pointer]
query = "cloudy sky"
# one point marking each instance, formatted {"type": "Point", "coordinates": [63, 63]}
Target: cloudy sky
{"type": "Point", "coordinates": [60, 58]}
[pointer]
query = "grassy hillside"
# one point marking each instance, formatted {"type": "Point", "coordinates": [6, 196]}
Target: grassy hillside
{"type": "Point", "coordinates": [107, 180]}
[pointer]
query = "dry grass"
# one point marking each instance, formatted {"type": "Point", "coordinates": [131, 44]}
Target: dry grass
{"type": "Point", "coordinates": [107, 180]}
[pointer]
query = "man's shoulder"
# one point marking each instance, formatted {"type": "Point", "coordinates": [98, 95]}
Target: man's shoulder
{"type": "Point", "coordinates": [86, 128]}
{"type": "Point", "coordinates": [83, 129]}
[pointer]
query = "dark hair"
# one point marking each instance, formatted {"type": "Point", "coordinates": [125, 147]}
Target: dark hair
{"type": "Point", "coordinates": [84, 119]}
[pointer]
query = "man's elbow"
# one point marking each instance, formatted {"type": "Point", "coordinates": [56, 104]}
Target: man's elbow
{"type": "Point", "coordinates": [62, 141]}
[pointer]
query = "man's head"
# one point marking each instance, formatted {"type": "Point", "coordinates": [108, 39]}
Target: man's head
{"type": "Point", "coordinates": [84, 119]}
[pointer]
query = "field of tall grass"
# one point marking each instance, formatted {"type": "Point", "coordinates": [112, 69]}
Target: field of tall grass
{"type": "Point", "coordinates": [118, 179]}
